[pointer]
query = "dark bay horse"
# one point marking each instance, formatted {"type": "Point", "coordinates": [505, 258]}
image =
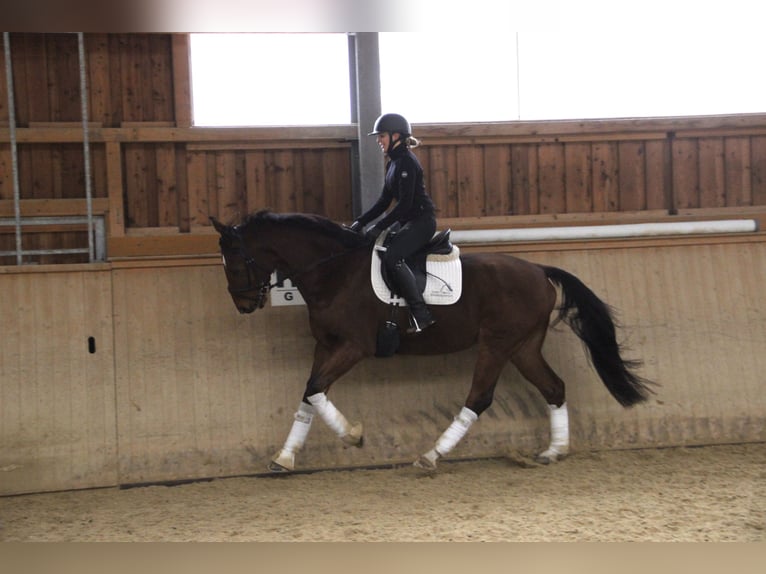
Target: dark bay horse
{"type": "Point", "coordinates": [505, 309]}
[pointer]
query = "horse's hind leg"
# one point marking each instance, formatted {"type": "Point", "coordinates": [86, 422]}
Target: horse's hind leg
{"type": "Point", "coordinates": [488, 368]}
{"type": "Point", "coordinates": [533, 366]}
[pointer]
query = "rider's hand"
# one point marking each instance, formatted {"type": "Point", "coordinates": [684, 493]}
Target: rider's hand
{"type": "Point", "coordinates": [357, 227]}
{"type": "Point", "coordinates": [373, 233]}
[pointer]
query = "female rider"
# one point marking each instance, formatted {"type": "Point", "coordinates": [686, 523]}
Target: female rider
{"type": "Point", "coordinates": [414, 211]}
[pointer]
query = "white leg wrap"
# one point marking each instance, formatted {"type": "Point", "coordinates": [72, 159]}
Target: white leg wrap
{"type": "Point", "coordinates": [559, 446]}
{"type": "Point", "coordinates": [300, 429]}
{"type": "Point", "coordinates": [285, 458]}
{"type": "Point", "coordinates": [330, 415]}
{"type": "Point", "coordinates": [456, 431]}
{"type": "Point", "coordinates": [448, 440]}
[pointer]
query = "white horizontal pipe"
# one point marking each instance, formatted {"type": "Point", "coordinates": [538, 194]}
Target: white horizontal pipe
{"type": "Point", "coordinates": [604, 231]}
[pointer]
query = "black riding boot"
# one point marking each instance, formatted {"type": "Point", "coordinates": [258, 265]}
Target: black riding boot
{"type": "Point", "coordinates": [408, 289]}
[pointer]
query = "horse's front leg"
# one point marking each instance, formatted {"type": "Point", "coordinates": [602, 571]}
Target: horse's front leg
{"type": "Point", "coordinates": [329, 365]}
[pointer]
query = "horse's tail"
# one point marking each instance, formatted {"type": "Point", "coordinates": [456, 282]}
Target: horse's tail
{"type": "Point", "coordinates": [592, 321]}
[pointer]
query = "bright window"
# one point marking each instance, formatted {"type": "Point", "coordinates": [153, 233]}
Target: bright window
{"type": "Point", "coordinates": [303, 79]}
{"type": "Point", "coordinates": [448, 77]}
{"type": "Point", "coordinates": [270, 79]}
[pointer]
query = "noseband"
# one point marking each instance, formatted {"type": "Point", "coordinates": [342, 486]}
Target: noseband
{"type": "Point", "coordinates": [262, 288]}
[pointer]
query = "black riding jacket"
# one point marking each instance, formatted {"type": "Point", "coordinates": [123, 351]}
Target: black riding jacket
{"type": "Point", "coordinates": [404, 182]}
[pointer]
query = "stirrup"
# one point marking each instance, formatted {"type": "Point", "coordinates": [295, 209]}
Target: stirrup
{"type": "Point", "coordinates": [416, 327]}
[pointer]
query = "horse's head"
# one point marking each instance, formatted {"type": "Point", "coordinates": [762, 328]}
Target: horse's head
{"type": "Point", "coordinates": [248, 280]}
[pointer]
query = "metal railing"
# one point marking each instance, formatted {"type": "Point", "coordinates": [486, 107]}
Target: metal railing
{"type": "Point", "coordinates": [96, 249]}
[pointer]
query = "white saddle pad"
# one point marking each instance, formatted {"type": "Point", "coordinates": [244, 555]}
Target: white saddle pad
{"type": "Point", "coordinates": [444, 277]}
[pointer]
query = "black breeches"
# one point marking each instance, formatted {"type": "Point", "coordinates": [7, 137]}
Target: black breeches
{"type": "Point", "coordinates": [411, 237]}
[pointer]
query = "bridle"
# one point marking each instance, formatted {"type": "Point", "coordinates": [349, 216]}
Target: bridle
{"type": "Point", "coordinates": [263, 287]}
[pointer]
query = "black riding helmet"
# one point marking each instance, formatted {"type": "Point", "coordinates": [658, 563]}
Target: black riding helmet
{"type": "Point", "coordinates": [391, 123]}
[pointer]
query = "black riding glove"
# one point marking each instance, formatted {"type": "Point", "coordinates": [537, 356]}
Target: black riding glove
{"type": "Point", "coordinates": [357, 227]}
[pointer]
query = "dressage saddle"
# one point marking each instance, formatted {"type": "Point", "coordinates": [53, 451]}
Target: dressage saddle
{"type": "Point", "coordinates": [439, 244]}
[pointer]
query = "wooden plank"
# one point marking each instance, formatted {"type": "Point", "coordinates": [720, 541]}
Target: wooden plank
{"type": "Point", "coordinates": [196, 177]}
{"type": "Point", "coordinates": [231, 138]}
{"type": "Point", "coordinates": [72, 180]}
{"type": "Point", "coordinates": [98, 61]}
{"type": "Point", "coordinates": [280, 181]}
{"type": "Point", "coordinates": [166, 188]}
{"type": "Point", "coordinates": [130, 80]}
{"type": "Point", "coordinates": [611, 128]}
{"type": "Point", "coordinates": [632, 176]}
{"type": "Point", "coordinates": [64, 76]}
{"type": "Point", "coordinates": [737, 172]}
{"type": "Point", "coordinates": [605, 176]}
{"type": "Point", "coordinates": [655, 155]}
{"type": "Point", "coordinates": [440, 180]}
{"type": "Point", "coordinates": [498, 176]}
{"type": "Point", "coordinates": [159, 63]}
{"type": "Point", "coordinates": [578, 177]}
{"type": "Point", "coordinates": [178, 245]}
{"type": "Point", "coordinates": [182, 93]}
{"type": "Point", "coordinates": [115, 189]}
{"type": "Point", "coordinates": [36, 79]}
{"type": "Point", "coordinates": [19, 58]}
{"type": "Point", "coordinates": [117, 45]}
{"type": "Point", "coordinates": [230, 199]}
{"type": "Point", "coordinates": [53, 207]}
{"type": "Point", "coordinates": [711, 177]}
{"type": "Point", "coordinates": [470, 180]}
{"type": "Point", "coordinates": [6, 172]}
{"type": "Point", "coordinates": [552, 194]}
{"type": "Point", "coordinates": [685, 174]}
{"type": "Point", "coordinates": [141, 175]}
{"type": "Point", "coordinates": [255, 173]}
{"type": "Point", "coordinates": [210, 205]}
{"type": "Point", "coordinates": [524, 182]}
{"type": "Point", "coordinates": [312, 185]}
{"type": "Point", "coordinates": [182, 188]}
{"type": "Point", "coordinates": [4, 115]}
{"type": "Point", "coordinates": [336, 196]}
{"type": "Point", "coordinates": [758, 165]}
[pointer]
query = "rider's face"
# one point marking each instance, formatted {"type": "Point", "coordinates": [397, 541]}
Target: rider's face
{"type": "Point", "coordinates": [384, 139]}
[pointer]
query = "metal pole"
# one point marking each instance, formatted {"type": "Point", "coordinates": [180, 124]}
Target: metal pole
{"type": "Point", "coordinates": [368, 109]}
{"type": "Point", "coordinates": [14, 154]}
{"type": "Point", "coordinates": [86, 144]}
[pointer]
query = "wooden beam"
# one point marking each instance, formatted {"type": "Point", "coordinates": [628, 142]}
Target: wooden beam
{"type": "Point", "coordinates": [53, 207]}
{"type": "Point", "coordinates": [148, 246]}
{"type": "Point", "coordinates": [182, 92]}
{"type": "Point", "coordinates": [114, 184]}
{"type": "Point", "coordinates": [71, 134]}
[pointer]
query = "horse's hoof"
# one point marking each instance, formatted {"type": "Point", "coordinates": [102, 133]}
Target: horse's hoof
{"type": "Point", "coordinates": [354, 437]}
{"type": "Point", "coordinates": [277, 468]}
{"type": "Point", "coordinates": [427, 461]}
{"type": "Point", "coordinates": [283, 462]}
{"type": "Point", "coordinates": [549, 456]}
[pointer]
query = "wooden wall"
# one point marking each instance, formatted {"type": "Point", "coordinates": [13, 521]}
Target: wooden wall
{"type": "Point", "coordinates": [163, 178]}
{"type": "Point", "coordinates": [57, 385]}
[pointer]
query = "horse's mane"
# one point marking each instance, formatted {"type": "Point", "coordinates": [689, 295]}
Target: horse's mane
{"type": "Point", "coordinates": [310, 222]}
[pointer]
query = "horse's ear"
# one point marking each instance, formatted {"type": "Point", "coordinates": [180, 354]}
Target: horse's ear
{"type": "Point", "coordinates": [219, 227]}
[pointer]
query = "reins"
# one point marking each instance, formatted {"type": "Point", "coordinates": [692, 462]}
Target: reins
{"type": "Point", "coordinates": [265, 287]}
